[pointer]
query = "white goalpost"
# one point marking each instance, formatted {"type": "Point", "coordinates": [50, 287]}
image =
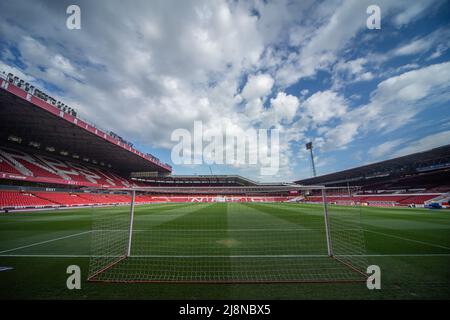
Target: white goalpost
{"type": "Point", "coordinates": [327, 224]}
{"type": "Point", "coordinates": [130, 234]}
{"type": "Point", "coordinates": [227, 242]}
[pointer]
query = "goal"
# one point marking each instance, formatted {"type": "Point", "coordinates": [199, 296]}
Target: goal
{"type": "Point", "coordinates": [154, 238]}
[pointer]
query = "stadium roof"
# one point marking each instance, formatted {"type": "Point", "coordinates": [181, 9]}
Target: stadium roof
{"type": "Point", "coordinates": [28, 117]}
{"type": "Point", "coordinates": [200, 179]}
{"type": "Point", "coordinates": [212, 180]}
{"type": "Point", "coordinates": [434, 159]}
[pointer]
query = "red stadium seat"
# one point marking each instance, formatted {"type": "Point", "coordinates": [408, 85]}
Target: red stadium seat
{"type": "Point", "coordinates": [16, 199]}
{"type": "Point", "coordinates": [49, 169]}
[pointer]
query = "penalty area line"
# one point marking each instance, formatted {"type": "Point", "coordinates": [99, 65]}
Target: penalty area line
{"type": "Point", "coordinates": [223, 256]}
{"type": "Point", "coordinates": [407, 239]}
{"type": "Point", "coordinates": [44, 242]}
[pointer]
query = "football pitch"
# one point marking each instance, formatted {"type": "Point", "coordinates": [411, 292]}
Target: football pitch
{"type": "Point", "coordinates": [223, 241]}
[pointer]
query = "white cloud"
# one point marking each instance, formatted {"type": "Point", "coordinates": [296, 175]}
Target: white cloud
{"type": "Point", "coordinates": [257, 86]}
{"type": "Point", "coordinates": [346, 72]}
{"type": "Point", "coordinates": [437, 40]}
{"type": "Point", "coordinates": [414, 47]}
{"type": "Point", "coordinates": [339, 137]}
{"type": "Point", "coordinates": [426, 143]}
{"type": "Point", "coordinates": [439, 51]}
{"type": "Point", "coordinates": [414, 85]}
{"type": "Point", "coordinates": [393, 105]}
{"type": "Point", "coordinates": [413, 11]}
{"type": "Point", "coordinates": [285, 106]}
{"type": "Point", "coordinates": [55, 64]}
{"type": "Point", "coordinates": [19, 73]}
{"type": "Point", "coordinates": [384, 149]}
{"type": "Point", "coordinates": [320, 48]}
{"type": "Point", "coordinates": [407, 67]}
{"type": "Point", "coordinates": [304, 92]}
{"type": "Point", "coordinates": [254, 109]}
{"type": "Point", "coordinates": [409, 92]}
{"type": "Point", "coordinates": [323, 106]}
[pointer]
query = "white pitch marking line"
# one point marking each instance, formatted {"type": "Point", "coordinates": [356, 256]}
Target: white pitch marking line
{"type": "Point", "coordinates": [46, 241]}
{"type": "Point", "coordinates": [224, 256]}
{"type": "Point", "coordinates": [219, 230]}
{"type": "Point", "coordinates": [49, 256]}
{"type": "Point", "coordinates": [407, 239]}
{"type": "Point", "coordinates": [165, 256]}
{"type": "Point", "coordinates": [398, 255]}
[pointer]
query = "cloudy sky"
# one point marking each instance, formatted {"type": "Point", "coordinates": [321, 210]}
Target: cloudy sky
{"type": "Point", "coordinates": [311, 69]}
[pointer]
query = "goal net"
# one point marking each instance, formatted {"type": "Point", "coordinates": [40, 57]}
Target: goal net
{"type": "Point", "coordinates": [150, 239]}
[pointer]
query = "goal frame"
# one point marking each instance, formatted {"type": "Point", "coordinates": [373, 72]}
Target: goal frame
{"type": "Point", "coordinates": [264, 189]}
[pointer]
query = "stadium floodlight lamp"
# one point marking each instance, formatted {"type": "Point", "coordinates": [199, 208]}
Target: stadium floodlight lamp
{"type": "Point", "coordinates": [63, 153]}
{"type": "Point", "coordinates": [75, 156]}
{"type": "Point", "coordinates": [51, 149]}
{"type": "Point", "coordinates": [309, 147]}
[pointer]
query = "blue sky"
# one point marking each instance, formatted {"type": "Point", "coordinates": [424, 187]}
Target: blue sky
{"type": "Point", "coordinates": [311, 69]}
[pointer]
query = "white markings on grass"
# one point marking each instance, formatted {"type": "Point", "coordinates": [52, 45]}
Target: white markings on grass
{"type": "Point", "coordinates": [228, 256]}
{"type": "Point", "coordinates": [46, 241]}
{"type": "Point", "coordinates": [399, 255]}
{"type": "Point", "coordinates": [209, 230]}
{"type": "Point", "coordinates": [407, 239]}
{"type": "Point", "coordinates": [52, 256]}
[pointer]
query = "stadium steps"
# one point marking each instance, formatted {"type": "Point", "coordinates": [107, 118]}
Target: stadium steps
{"type": "Point", "coordinates": [443, 198]}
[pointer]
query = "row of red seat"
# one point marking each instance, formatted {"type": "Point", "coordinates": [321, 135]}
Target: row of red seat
{"type": "Point", "coordinates": [38, 167]}
{"type": "Point", "coordinates": [22, 199]}
{"type": "Point", "coordinates": [16, 199]}
{"type": "Point", "coordinates": [419, 199]}
{"type": "Point", "coordinates": [405, 199]}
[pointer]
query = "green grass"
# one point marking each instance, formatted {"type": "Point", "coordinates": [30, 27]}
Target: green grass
{"type": "Point", "coordinates": [411, 246]}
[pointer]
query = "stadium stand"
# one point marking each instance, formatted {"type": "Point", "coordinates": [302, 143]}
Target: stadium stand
{"type": "Point", "coordinates": [426, 170]}
{"type": "Point", "coordinates": [34, 119]}
{"type": "Point", "coordinates": [41, 167]}
{"type": "Point", "coordinates": [414, 179]}
{"type": "Point", "coordinates": [374, 200]}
